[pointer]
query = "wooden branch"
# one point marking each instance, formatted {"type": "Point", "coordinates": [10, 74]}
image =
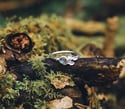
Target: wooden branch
{"type": "Point", "coordinates": [112, 28]}
{"type": "Point", "coordinates": [93, 71]}
{"type": "Point", "coordinates": [90, 27]}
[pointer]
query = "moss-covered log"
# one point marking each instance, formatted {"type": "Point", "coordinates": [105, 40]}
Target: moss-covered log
{"type": "Point", "coordinates": [93, 71]}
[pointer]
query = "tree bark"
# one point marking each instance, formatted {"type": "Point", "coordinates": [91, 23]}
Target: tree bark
{"type": "Point", "coordinates": [93, 71]}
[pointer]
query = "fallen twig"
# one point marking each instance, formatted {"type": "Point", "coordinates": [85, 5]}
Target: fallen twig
{"type": "Point", "coordinates": [90, 27]}
{"type": "Point", "coordinates": [112, 27]}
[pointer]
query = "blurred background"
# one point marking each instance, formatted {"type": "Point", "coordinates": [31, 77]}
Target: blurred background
{"type": "Point", "coordinates": [83, 10]}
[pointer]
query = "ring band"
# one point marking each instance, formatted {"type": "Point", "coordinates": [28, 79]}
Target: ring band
{"type": "Point", "coordinates": [63, 52]}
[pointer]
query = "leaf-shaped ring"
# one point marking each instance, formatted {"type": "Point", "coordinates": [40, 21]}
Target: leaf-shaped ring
{"type": "Point", "coordinates": [67, 57]}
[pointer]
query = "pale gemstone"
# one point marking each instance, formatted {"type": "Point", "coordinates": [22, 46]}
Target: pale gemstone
{"type": "Point", "coordinates": [63, 60]}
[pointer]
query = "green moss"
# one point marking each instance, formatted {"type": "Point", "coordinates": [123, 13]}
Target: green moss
{"type": "Point", "coordinates": [46, 31]}
{"type": "Point", "coordinates": [26, 92]}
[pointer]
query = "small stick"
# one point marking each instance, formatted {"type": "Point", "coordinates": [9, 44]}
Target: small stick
{"type": "Point", "coordinates": [112, 27]}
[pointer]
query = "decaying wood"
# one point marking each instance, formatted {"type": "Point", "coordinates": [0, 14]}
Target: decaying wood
{"type": "Point", "coordinates": [93, 71]}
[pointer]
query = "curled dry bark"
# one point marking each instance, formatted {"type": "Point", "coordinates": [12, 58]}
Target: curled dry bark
{"type": "Point", "coordinates": [16, 45]}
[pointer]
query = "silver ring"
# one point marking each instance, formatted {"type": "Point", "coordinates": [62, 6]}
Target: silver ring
{"type": "Point", "coordinates": [65, 57]}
